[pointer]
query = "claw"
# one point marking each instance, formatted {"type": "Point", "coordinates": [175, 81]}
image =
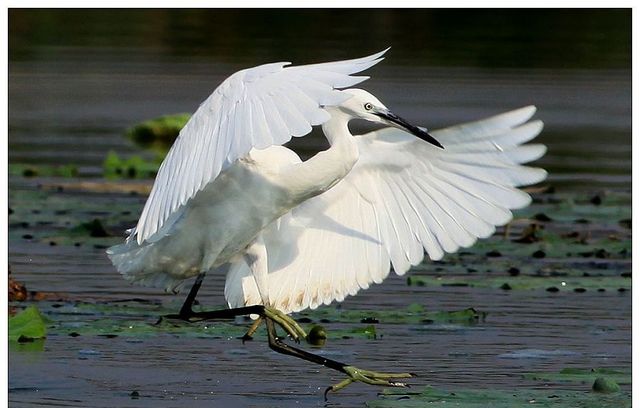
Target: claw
{"type": "Point", "coordinates": [337, 387]}
{"type": "Point", "coordinates": [287, 323]}
{"type": "Point", "coordinates": [249, 334]}
{"type": "Point", "coordinates": [368, 377]}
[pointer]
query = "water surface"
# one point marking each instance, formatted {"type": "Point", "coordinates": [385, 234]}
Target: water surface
{"type": "Point", "coordinates": [78, 79]}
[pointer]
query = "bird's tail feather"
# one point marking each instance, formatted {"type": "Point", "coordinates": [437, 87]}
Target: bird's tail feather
{"type": "Point", "coordinates": [131, 260]}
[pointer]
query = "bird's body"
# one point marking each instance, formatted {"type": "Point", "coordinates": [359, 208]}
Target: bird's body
{"type": "Point", "coordinates": [295, 234]}
{"type": "Point", "coordinates": [224, 218]}
{"type": "Point", "coordinates": [204, 235]}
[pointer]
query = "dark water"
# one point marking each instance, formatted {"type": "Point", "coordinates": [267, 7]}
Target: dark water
{"type": "Point", "coordinates": [77, 79]}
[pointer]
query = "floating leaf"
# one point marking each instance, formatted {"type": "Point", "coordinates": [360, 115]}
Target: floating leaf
{"type": "Point", "coordinates": [415, 308]}
{"type": "Point", "coordinates": [605, 385]}
{"type": "Point", "coordinates": [159, 133]}
{"type": "Point", "coordinates": [565, 280]}
{"type": "Point", "coordinates": [42, 170]}
{"type": "Point", "coordinates": [133, 167]}
{"type": "Point", "coordinates": [27, 325]}
{"type": "Point", "coordinates": [367, 331]}
{"type": "Point", "coordinates": [92, 228]}
{"type": "Point", "coordinates": [582, 375]}
{"type": "Point", "coordinates": [429, 396]}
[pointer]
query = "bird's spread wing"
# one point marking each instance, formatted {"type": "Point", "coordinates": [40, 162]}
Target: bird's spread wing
{"type": "Point", "coordinates": [257, 107]}
{"type": "Point", "coordinates": [402, 198]}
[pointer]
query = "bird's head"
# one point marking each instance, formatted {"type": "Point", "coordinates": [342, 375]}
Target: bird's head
{"type": "Point", "coordinates": [365, 106]}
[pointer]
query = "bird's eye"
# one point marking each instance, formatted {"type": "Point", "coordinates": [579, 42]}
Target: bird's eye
{"type": "Point", "coordinates": [368, 106]}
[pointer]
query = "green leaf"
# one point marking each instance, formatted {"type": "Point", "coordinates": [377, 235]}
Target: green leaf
{"type": "Point", "coordinates": [159, 133]}
{"type": "Point", "coordinates": [367, 331]}
{"type": "Point", "coordinates": [482, 398]}
{"type": "Point", "coordinates": [415, 308]}
{"type": "Point", "coordinates": [582, 375]}
{"type": "Point", "coordinates": [569, 281]}
{"type": "Point", "coordinates": [27, 325]}
{"type": "Point", "coordinates": [43, 170]}
{"type": "Point", "coordinates": [93, 228]}
{"type": "Point", "coordinates": [134, 167]}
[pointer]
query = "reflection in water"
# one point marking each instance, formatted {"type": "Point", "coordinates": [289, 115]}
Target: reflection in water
{"type": "Point", "coordinates": [483, 38]}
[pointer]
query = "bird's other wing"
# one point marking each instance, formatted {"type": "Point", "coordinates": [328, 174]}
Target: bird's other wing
{"type": "Point", "coordinates": [404, 197]}
{"type": "Point", "coordinates": [257, 107]}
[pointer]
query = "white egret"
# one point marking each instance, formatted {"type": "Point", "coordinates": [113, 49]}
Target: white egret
{"type": "Point", "coordinates": [295, 234]}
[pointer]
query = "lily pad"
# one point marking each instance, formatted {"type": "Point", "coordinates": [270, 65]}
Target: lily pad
{"type": "Point", "coordinates": [142, 187]}
{"type": "Point", "coordinates": [92, 228]}
{"type": "Point", "coordinates": [27, 325]}
{"type": "Point", "coordinates": [605, 385]}
{"type": "Point", "coordinates": [464, 398]}
{"type": "Point", "coordinates": [581, 375]}
{"type": "Point", "coordinates": [158, 133]}
{"type": "Point", "coordinates": [564, 282]}
{"type": "Point", "coordinates": [536, 354]}
{"type": "Point", "coordinates": [367, 331]}
{"type": "Point", "coordinates": [413, 314]}
{"type": "Point", "coordinates": [141, 319]}
{"type": "Point", "coordinates": [42, 170]}
{"type": "Point", "coordinates": [63, 218]}
{"type": "Point", "coordinates": [133, 167]}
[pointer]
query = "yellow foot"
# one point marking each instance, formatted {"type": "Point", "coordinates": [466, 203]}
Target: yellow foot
{"type": "Point", "coordinates": [369, 377]}
{"type": "Point", "coordinates": [286, 322]}
{"type": "Point", "coordinates": [254, 326]}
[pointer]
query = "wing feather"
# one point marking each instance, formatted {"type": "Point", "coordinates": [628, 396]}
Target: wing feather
{"type": "Point", "coordinates": [385, 259]}
{"type": "Point", "coordinates": [438, 222]}
{"type": "Point", "coordinates": [310, 108]}
{"type": "Point", "coordinates": [473, 220]}
{"type": "Point", "coordinates": [485, 128]}
{"type": "Point", "coordinates": [427, 235]}
{"type": "Point", "coordinates": [296, 123]}
{"type": "Point", "coordinates": [361, 211]}
{"type": "Point", "coordinates": [276, 123]}
{"type": "Point", "coordinates": [256, 107]}
{"type": "Point", "coordinates": [411, 248]}
{"type": "Point", "coordinates": [402, 198]}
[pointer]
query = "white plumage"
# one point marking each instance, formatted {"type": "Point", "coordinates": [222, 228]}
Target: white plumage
{"type": "Point", "coordinates": [253, 108]}
{"type": "Point", "coordinates": [403, 197]}
{"type": "Point", "coordinates": [295, 235]}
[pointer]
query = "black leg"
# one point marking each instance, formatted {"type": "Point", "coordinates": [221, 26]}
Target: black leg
{"type": "Point", "coordinates": [186, 313]}
{"type": "Point", "coordinates": [217, 314]}
{"type": "Point", "coordinates": [186, 309]}
{"type": "Point", "coordinates": [353, 373]}
{"type": "Point", "coordinates": [272, 317]}
{"type": "Point", "coordinates": [284, 348]}
{"type": "Point", "coordinates": [229, 313]}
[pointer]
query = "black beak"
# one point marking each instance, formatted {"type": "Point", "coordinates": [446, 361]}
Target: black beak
{"type": "Point", "coordinates": [403, 124]}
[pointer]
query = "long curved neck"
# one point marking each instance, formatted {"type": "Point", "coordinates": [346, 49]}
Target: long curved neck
{"type": "Point", "coordinates": [325, 169]}
{"type": "Point", "coordinates": [336, 129]}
